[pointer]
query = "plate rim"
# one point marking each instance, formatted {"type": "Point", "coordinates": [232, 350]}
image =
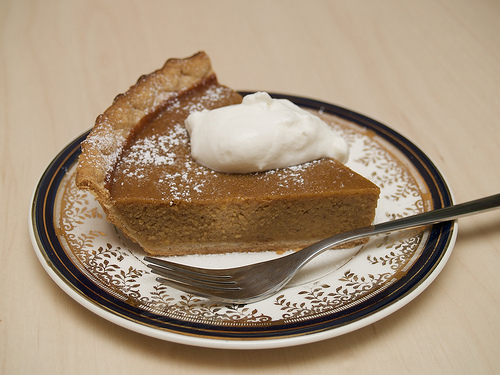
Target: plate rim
{"type": "Point", "coordinates": [260, 342]}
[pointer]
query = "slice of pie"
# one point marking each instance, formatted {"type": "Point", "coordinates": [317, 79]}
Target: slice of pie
{"type": "Point", "coordinates": [137, 162]}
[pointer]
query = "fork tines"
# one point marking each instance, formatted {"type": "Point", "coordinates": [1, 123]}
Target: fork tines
{"type": "Point", "coordinates": [184, 277]}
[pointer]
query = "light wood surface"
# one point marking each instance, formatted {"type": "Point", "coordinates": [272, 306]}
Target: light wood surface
{"type": "Point", "coordinates": [429, 69]}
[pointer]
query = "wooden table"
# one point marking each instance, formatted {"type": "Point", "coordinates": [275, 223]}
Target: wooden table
{"type": "Point", "coordinates": [429, 69]}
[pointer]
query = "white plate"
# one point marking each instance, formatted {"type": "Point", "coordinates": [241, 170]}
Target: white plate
{"type": "Point", "coordinates": [339, 292]}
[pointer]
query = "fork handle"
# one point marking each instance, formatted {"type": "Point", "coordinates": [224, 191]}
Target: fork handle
{"type": "Point", "coordinates": [430, 217]}
{"type": "Point", "coordinates": [440, 215]}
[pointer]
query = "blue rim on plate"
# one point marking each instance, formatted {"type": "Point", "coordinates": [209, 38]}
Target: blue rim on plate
{"type": "Point", "coordinates": [60, 267]}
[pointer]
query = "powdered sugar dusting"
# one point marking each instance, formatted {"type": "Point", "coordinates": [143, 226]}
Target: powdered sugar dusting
{"type": "Point", "coordinates": [106, 142]}
{"type": "Point", "coordinates": [290, 178]}
{"type": "Point", "coordinates": [153, 151]}
{"type": "Point", "coordinates": [157, 149]}
{"type": "Point", "coordinates": [212, 94]}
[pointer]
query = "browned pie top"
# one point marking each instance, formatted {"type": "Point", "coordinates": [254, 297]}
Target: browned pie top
{"type": "Point", "coordinates": [157, 166]}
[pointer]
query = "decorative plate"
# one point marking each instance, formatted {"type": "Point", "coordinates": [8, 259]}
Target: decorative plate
{"type": "Point", "coordinates": [340, 291]}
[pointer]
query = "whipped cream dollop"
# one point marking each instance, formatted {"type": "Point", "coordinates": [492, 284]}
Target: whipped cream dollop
{"type": "Point", "coordinates": [260, 134]}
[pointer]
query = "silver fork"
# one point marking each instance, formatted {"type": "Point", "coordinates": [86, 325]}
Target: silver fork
{"type": "Point", "coordinates": [255, 282]}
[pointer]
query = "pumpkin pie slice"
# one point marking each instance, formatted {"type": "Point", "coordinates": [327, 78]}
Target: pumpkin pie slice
{"type": "Point", "coordinates": [137, 162]}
